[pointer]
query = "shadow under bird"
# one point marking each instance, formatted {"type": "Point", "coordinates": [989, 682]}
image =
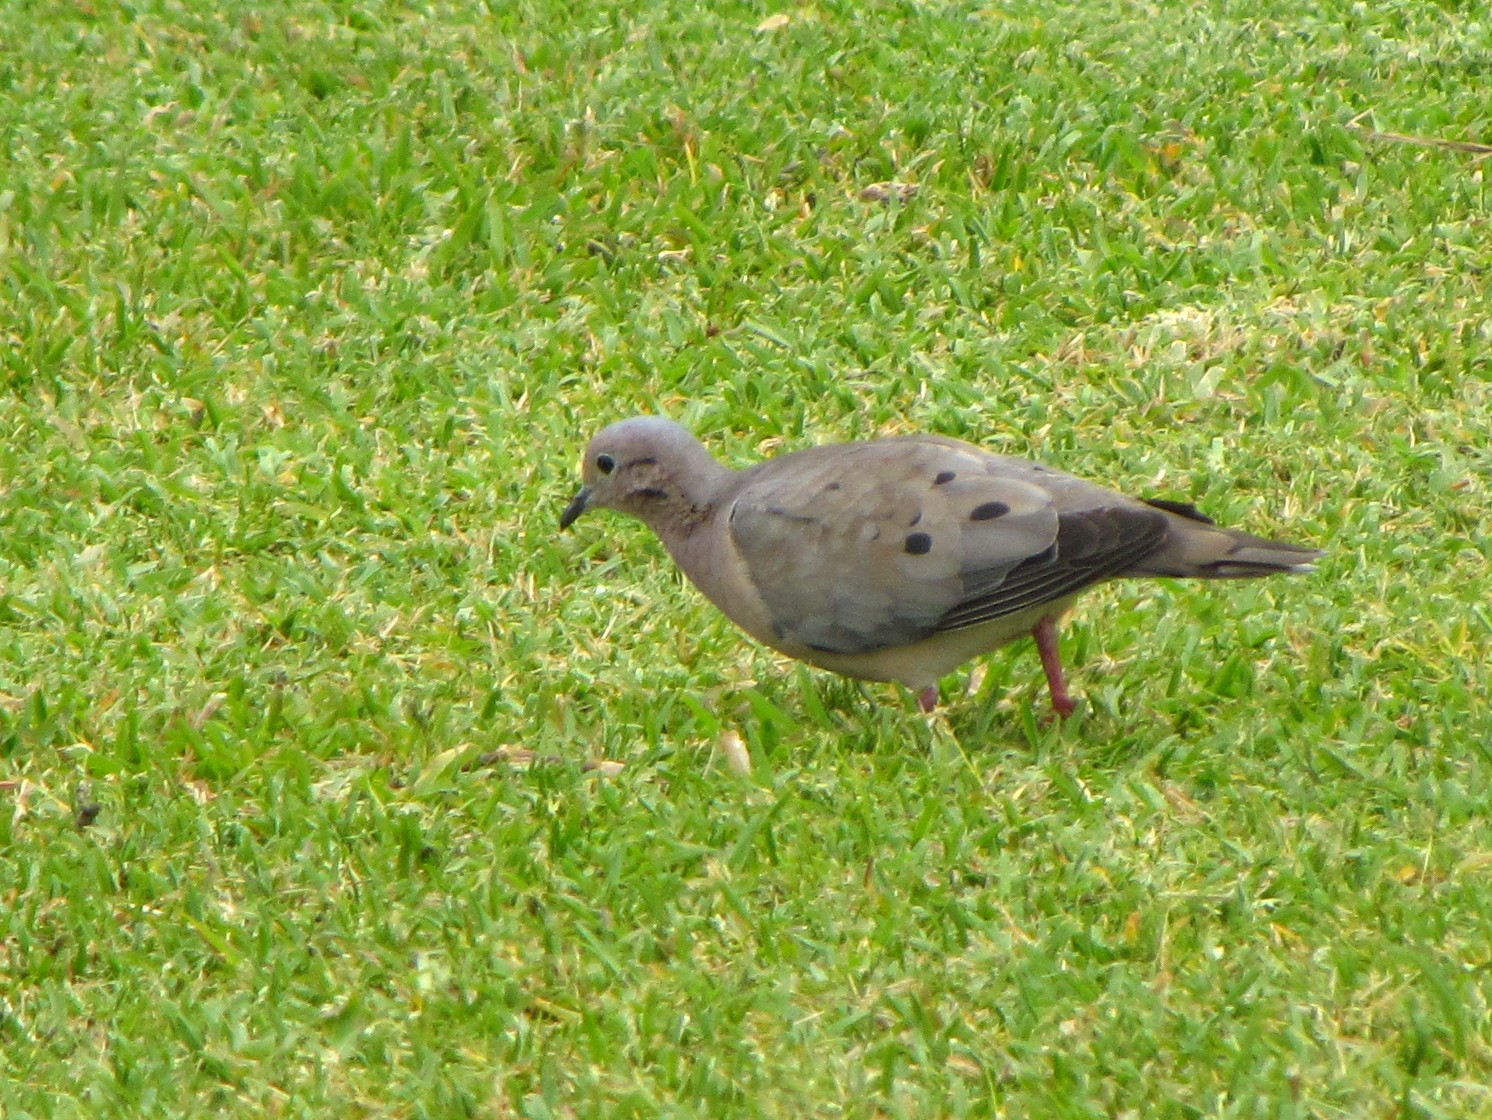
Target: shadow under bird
{"type": "Point", "coordinates": [900, 559]}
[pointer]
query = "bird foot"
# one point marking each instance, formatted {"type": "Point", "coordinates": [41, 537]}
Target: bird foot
{"type": "Point", "coordinates": [1045, 634]}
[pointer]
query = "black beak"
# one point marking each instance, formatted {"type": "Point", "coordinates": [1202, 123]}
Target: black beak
{"type": "Point", "coordinates": [575, 508]}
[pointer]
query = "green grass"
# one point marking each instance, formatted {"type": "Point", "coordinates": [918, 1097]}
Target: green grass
{"type": "Point", "coordinates": [306, 311]}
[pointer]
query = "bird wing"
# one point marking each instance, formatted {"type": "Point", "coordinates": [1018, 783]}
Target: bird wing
{"type": "Point", "coordinates": [858, 547]}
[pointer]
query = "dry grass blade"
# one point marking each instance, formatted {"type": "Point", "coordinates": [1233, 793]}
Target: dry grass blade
{"type": "Point", "coordinates": [886, 192]}
{"type": "Point", "coordinates": [1425, 141]}
{"type": "Point", "coordinates": [734, 750]}
{"type": "Point", "coordinates": [522, 756]}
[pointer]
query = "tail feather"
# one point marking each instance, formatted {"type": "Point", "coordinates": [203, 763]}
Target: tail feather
{"type": "Point", "coordinates": [1197, 550]}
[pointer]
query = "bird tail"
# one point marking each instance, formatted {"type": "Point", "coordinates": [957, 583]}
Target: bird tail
{"type": "Point", "coordinates": [1195, 548]}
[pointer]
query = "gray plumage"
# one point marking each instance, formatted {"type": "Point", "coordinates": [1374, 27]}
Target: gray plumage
{"type": "Point", "coordinates": [899, 559]}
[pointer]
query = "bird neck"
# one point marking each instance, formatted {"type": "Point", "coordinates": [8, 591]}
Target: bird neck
{"type": "Point", "coordinates": [693, 494]}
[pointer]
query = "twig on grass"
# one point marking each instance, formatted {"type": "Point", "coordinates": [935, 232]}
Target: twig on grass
{"type": "Point", "coordinates": [1418, 141]}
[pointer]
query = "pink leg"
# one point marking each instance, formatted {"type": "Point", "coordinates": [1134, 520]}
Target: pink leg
{"type": "Point", "coordinates": [928, 698]}
{"type": "Point", "coordinates": [1051, 660]}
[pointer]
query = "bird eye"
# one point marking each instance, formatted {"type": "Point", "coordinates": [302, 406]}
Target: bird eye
{"type": "Point", "coordinates": [605, 464]}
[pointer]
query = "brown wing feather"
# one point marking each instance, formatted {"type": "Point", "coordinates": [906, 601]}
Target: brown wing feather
{"type": "Point", "coordinates": [868, 546]}
{"type": "Point", "coordinates": [1092, 545]}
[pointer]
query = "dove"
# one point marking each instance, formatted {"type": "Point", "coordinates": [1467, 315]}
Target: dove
{"type": "Point", "coordinates": [899, 559]}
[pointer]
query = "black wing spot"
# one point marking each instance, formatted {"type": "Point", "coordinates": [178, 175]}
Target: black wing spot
{"type": "Point", "coordinates": [802, 519]}
{"type": "Point", "coordinates": [917, 543]}
{"type": "Point", "coordinates": [1180, 509]}
{"type": "Point", "coordinates": [651, 492]}
{"type": "Point", "coordinates": [834, 486]}
{"type": "Point", "coordinates": [943, 477]}
{"type": "Point", "coordinates": [988, 511]}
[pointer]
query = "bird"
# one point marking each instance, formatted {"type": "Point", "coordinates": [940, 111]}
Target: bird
{"type": "Point", "coordinates": [901, 558]}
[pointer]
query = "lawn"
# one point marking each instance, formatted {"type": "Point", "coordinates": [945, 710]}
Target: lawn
{"type": "Point", "coordinates": [306, 312]}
